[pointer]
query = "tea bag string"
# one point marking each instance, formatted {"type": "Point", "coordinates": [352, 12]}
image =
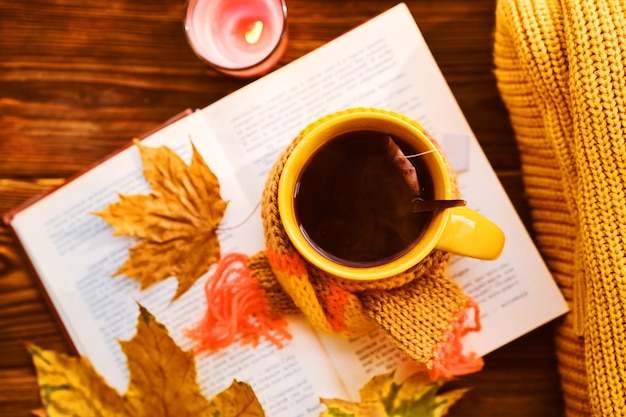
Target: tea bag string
{"type": "Point", "coordinates": [415, 155]}
{"type": "Point", "coordinates": [421, 205]}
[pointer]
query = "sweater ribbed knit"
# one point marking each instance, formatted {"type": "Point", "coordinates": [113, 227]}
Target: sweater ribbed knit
{"type": "Point", "coordinates": [560, 71]}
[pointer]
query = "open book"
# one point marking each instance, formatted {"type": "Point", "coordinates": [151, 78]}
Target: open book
{"type": "Point", "coordinates": [383, 63]}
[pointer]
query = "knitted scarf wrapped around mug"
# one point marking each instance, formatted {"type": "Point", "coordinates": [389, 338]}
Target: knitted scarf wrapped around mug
{"type": "Point", "coordinates": [422, 311]}
{"type": "Point", "coordinates": [560, 67]}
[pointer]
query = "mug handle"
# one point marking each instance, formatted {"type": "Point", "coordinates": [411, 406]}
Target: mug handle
{"type": "Point", "coordinates": [469, 233]}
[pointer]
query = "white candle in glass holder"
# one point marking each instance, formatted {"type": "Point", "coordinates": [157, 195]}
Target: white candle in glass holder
{"type": "Point", "coordinates": [244, 38]}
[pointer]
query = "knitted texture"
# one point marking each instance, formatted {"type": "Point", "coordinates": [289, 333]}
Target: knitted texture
{"type": "Point", "coordinates": [279, 300]}
{"type": "Point", "coordinates": [421, 310]}
{"type": "Point", "coordinates": [560, 71]}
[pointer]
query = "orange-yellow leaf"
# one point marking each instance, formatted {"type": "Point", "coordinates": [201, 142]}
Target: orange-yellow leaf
{"type": "Point", "coordinates": [162, 376]}
{"type": "Point", "coordinates": [71, 387]}
{"type": "Point", "coordinates": [237, 401]}
{"type": "Point", "coordinates": [382, 396]}
{"type": "Point", "coordinates": [40, 412]}
{"type": "Point", "coordinates": [162, 382]}
{"type": "Point", "coordinates": [176, 222]}
{"type": "Point", "coordinates": [341, 408]}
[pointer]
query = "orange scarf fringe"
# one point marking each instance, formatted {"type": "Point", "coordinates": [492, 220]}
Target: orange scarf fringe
{"type": "Point", "coordinates": [236, 307]}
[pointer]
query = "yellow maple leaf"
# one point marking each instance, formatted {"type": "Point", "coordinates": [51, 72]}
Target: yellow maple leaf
{"type": "Point", "coordinates": [382, 396]}
{"type": "Point", "coordinates": [238, 400]}
{"type": "Point", "coordinates": [176, 222]}
{"type": "Point", "coordinates": [162, 382]}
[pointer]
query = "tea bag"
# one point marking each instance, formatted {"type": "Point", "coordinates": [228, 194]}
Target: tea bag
{"type": "Point", "coordinates": [406, 168]}
{"type": "Point", "coordinates": [404, 165]}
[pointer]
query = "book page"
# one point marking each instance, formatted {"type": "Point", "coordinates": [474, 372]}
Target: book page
{"type": "Point", "coordinates": [360, 358]}
{"type": "Point", "coordinates": [387, 64]}
{"type": "Point", "coordinates": [75, 254]}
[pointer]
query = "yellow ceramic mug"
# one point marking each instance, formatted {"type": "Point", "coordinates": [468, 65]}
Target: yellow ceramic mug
{"type": "Point", "coordinates": [458, 230]}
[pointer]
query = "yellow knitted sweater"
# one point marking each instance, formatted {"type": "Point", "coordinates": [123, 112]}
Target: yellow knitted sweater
{"type": "Point", "coordinates": [560, 67]}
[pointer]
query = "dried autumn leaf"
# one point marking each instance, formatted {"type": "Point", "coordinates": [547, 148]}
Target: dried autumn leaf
{"type": "Point", "coordinates": [70, 386]}
{"type": "Point", "coordinates": [238, 400]}
{"type": "Point", "coordinates": [382, 396]}
{"type": "Point", "coordinates": [162, 382]}
{"type": "Point", "coordinates": [176, 222]}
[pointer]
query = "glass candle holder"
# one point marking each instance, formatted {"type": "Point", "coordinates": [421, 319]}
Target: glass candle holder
{"type": "Point", "coordinates": [242, 38]}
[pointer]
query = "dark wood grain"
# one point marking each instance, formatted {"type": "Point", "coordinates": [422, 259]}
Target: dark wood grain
{"type": "Point", "coordinates": [79, 79]}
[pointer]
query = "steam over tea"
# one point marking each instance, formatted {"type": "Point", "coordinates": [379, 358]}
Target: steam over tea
{"type": "Point", "coordinates": [354, 204]}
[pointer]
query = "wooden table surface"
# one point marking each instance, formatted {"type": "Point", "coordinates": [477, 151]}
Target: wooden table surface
{"type": "Point", "coordinates": [78, 79]}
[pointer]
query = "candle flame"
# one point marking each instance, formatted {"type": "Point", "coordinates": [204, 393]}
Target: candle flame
{"type": "Point", "coordinates": [254, 33]}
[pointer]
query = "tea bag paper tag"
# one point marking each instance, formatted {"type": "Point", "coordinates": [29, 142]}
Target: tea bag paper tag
{"type": "Point", "coordinates": [456, 147]}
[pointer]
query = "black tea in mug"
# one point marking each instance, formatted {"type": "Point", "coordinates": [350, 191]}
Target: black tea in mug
{"type": "Point", "coordinates": [354, 203]}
